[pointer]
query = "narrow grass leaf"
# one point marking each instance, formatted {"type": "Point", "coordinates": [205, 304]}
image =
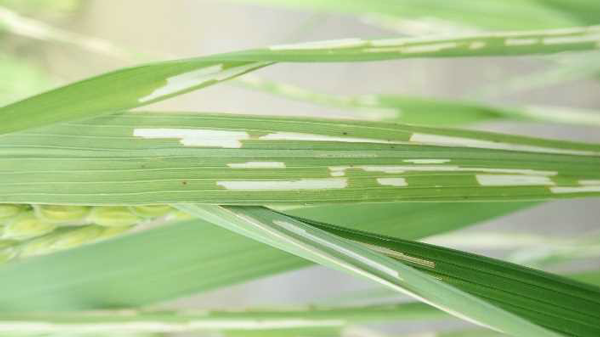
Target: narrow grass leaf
{"type": "Point", "coordinates": [299, 238]}
{"type": "Point", "coordinates": [136, 270]}
{"type": "Point", "coordinates": [591, 277]}
{"type": "Point", "coordinates": [423, 110]}
{"type": "Point", "coordinates": [586, 11]}
{"type": "Point", "coordinates": [408, 220]}
{"type": "Point", "coordinates": [147, 321]}
{"type": "Point", "coordinates": [562, 71]}
{"type": "Point", "coordinates": [555, 302]}
{"type": "Point", "coordinates": [142, 85]}
{"type": "Point", "coordinates": [161, 158]}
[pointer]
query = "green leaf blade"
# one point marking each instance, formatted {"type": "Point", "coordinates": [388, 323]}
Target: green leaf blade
{"type": "Point", "coordinates": [138, 86]}
{"type": "Point", "coordinates": [161, 158]}
{"type": "Point", "coordinates": [138, 270]}
{"type": "Point", "coordinates": [248, 320]}
{"type": "Point", "coordinates": [553, 301]}
{"type": "Point", "coordinates": [330, 250]}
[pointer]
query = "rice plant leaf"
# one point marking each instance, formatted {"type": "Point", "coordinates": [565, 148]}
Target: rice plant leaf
{"type": "Point", "coordinates": [552, 301]}
{"type": "Point", "coordinates": [321, 332]}
{"type": "Point", "coordinates": [582, 248]}
{"type": "Point", "coordinates": [161, 158]}
{"type": "Point", "coordinates": [407, 220]}
{"type": "Point", "coordinates": [591, 277]}
{"type": "Point", "coordinates": [379, 295]}
{"type": "Point", "coordinates": [264, 320]}
{"type": "Point", "coordinates": [584, 11]}
{"type": "Point", "coordinates": [423, 110]}
{"type": "Point", "coordinates": [538, 251]}
{"type": "Point", "coordinates": [138, 270]}
{"type": "Point", "coordinates": [111, 92]}
{"type": "Point", "coordinates": [508, 43]}
{"type": "Point", "coordinates": [469, 333]}
{"type": "Point", "coordinates": [313, 243]}
{"type": "Point", "coordinates": [562, 71]}
{"type": "Point", "coordinates": [142, 85]}
{"type": "Point", "coordinates": [133, 270]}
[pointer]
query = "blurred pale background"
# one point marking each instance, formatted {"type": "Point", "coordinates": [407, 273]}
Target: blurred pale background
{"type": "Point", "coordinates": [187, 28]}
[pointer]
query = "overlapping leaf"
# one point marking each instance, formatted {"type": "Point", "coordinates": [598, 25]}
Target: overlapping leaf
{"type": "Point", "coordinates": [418, 17]}
{"type": "Point", "coordinates": [138, 86]}
{"type": "Point", "coordinates": [423, 110]}
{"type": "Point", "coordinates": [552, 301]}
{"type": "Point", "coordinates": [301, 319]}
{"type": "Point", "coordinates": [326, 248]}
{"type": "Point", "coordinates": [562, 71]}
{"type": "Point", "coordinates": [591, 277]}
{"type": "Point", "coordinates": [138, 270]}
{"type": "Point", "coordinates": [556, 303]}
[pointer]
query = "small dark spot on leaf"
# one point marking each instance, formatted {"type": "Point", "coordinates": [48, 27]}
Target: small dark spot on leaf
{"type": "Point", "coordinates": [183, 182]}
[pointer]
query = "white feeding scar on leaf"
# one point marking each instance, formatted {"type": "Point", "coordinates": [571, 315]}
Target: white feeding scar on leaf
{"type": "Point", "coordinates": [428, 139]}
{"type": "Point", "coordinates": [338, 249]}
{"type": "Point", "coordinates": [340, 171]}
{"type": "Point", "coordinates": [477, 45]}
{"type": "Point", "coordinates": [577, 189]}
{"type": "Point", "coordinates": [149, 326]}
{"type": "Point", "coordinates": [320, 138]}
{"type": "Point", "coordinates": [330, 44]}
{"type": "Point", "coordinates": [586, 187]}
{"type": "Point", "coordinates": [427, 161]}
{"type": "Point", "coordinates": [389, 42]}
{"type": "Point", "coordinates": [196, 137]}
{"type": "Point", "coordinates": [184, 81]}
{"type": "Point", "coordinates": [428, 48]}
{"type": "Point", "coordinates": [258, 164]}
{"type": "Point", "coordinates": [394, 286]}
{"type": "Point", "coordinates": [506, 170]}
{"type": "Point", "coordinates": [197, 77]}
{"type": "Point", "coordinates": [392, 182]}
{"type": "Point", "coordinates": [385, 169]}
{"type": "Point", "coordinates": [512, 180]}
{"type": "Point", "coordinates": [520, 42]}
{"type": "Point", "coordinates": [399, 255]}
{"type": "Point", "coordinates": [284, 185]}
{"type": "Point", "coordinates": [571, 39]}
